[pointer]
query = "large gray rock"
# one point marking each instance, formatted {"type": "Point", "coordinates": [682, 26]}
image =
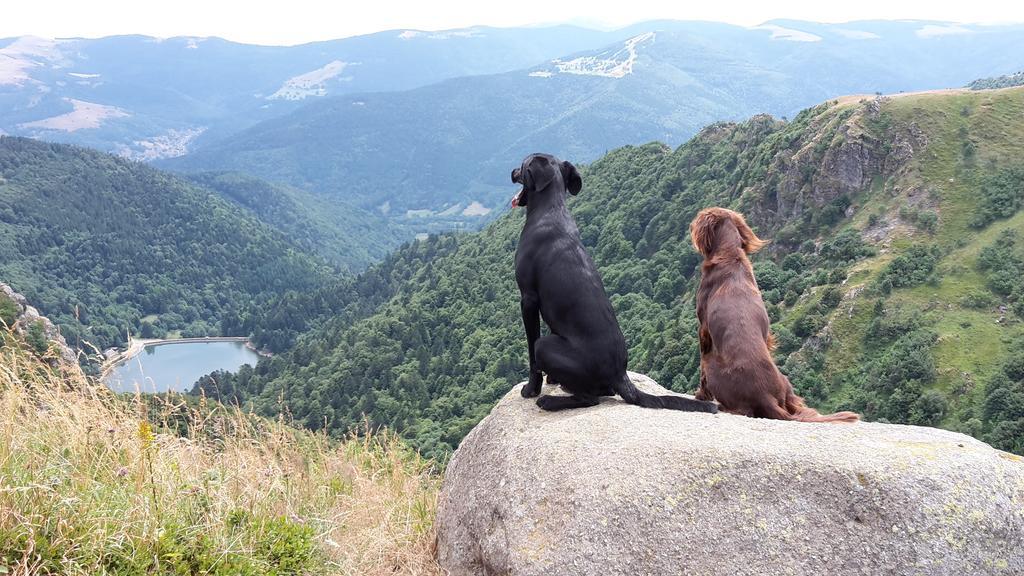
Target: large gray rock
{"type": "Point", "coordinates": [618, 489]}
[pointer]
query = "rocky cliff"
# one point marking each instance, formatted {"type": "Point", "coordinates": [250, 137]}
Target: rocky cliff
{"type": "Point", "coordinates": [833, 153]}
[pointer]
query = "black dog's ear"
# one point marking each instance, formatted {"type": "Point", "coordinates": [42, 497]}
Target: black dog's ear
{"type": "Point", "coordinates": [571, 177]}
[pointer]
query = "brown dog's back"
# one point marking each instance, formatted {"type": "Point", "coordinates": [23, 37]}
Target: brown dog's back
{"type": "Point", "coordinates": [737, 369]}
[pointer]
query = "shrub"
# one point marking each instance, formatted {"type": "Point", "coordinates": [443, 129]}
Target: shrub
{"type": "Point", "coordinates": [830, 298]}
{"type": "Point", "coordinates": [1008, 435]}
{"type": "Point", "coordinates": [909, 358]}
{"type": "Point", "coordinates": [8, 310]}
{"type": "Point", "coordinates": [912, 268]}
{"type": "Point", "coordinates": [785, 341]}
{"type": "Point", "coordinates": [1000, 196]}
{"type": "Point", "coordinates": [929, 409]}
{"type": "Point", "coordinates": [978, 300]}
{"type": "Point", "coordinates": [36, 337]}
{"type": "Point", "coordinates": [808, 325]}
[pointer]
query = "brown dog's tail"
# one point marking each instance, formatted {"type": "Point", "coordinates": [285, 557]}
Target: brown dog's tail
{"type": "Point", "coordinates": [633, 395]}
{"type": "Point", "coordinates": [802, 413]}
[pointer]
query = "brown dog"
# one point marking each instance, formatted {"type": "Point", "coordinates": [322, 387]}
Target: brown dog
{"type": "Point", "coordinates": [736, 366]}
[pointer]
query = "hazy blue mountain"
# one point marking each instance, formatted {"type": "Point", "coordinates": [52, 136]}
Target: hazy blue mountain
{"type": "Point", "coordinates": [148, 98]}
{"type": "Point", "coordinates": [447, 148]}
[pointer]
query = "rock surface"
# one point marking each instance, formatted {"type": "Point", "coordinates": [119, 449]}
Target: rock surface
{"type": "Point", "coordinates": [618, 489]}
{"type": "Point", "coordinates": [27, 316]}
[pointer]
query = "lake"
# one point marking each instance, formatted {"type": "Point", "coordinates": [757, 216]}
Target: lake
{"type": "Point", "coordinates": [177, 366]}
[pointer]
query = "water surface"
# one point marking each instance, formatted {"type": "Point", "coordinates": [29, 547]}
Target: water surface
{"type": "Point", "coordinates": [177, 366]}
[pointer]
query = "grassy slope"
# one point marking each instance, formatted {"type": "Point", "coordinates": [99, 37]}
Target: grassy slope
{"type": "Point", "coordinates": [94, 484]}
{"type": "Point", "coordinates": [971, 343]}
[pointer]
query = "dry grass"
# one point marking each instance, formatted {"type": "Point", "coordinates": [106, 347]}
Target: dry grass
{"type": "Point", "coordinates": [95, 484]}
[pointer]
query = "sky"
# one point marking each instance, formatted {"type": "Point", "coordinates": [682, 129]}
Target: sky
{"type": "Point", "coordinates": [287, 22]}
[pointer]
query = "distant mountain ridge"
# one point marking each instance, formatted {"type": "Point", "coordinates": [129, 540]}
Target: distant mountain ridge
{"type": "Point", "coordinates": [150, 98]}
{"type": "Point", "coordinates": [441, 148]}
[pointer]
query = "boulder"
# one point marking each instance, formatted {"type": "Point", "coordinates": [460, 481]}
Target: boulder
{"type": "Point", "coordinates": [619, 489]}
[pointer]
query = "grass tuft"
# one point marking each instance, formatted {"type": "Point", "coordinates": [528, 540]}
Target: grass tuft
{"type": "Point", "coordinates": [92, 483]}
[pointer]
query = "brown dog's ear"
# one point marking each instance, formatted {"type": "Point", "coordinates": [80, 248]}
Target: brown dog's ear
{"type": "Point", "coordinates": [751, 243]}
{"type": "Point", "coordinates": [702, 231]}
{"type": "Point", "coordinates": [571, 177]}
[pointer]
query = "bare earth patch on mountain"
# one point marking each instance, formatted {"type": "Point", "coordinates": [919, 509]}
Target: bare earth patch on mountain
{"type": "Point", "coordinates": [85, 115]}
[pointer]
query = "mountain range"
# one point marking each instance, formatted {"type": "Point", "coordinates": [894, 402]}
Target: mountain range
{"type": "Point", "coordinates": [418, 126]}
{"type": "Point", "coordinates": [442, 150]}
{"type": "Point", "coordinates": [149, 98]}
{"type": "Point", "coordinates": [893, 278]}
{"type": "Point", "coordinates": [311, 182]}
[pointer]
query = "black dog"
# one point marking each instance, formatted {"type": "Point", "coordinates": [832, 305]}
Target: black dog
{"type": "Point", "coordinates": [586, 352]}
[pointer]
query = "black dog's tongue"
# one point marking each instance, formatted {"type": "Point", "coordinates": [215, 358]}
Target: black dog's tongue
{"type": "Point", "coordinates": [515, 199]}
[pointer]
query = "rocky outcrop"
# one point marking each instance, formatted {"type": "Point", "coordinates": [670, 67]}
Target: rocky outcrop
{"type": "Point", "coordinates": [618, 489]}
{"type": "Point", "coordinates": [839, 154]}
{"type": "Point", "coordinates": [27, 316]}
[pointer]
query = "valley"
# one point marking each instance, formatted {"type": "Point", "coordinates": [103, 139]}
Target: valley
{"type": "Point", "coordinates": [108, 247]}
{"type": "Point", "coordinates": [259, 295]}
{"type": "Point", "coordinates": [878, 301]}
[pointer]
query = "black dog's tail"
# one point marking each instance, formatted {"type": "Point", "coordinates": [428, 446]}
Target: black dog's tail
{"type": "Point", "coordinates": [633, 395]}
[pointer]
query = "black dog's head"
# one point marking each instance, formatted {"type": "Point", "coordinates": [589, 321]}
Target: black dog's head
{"type": "Point", "coordinates": [542, 171]}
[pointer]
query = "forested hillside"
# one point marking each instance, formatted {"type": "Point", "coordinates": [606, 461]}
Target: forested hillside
{"type": "Point", "coordinates": [104, 246]}
{"type": "Point", "coordinates": [893, 277]}
{"type": "Point", "coordinates": [338, 231]}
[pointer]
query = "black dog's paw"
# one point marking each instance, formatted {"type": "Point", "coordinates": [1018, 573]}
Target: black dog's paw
{"type": "Point", "coordinates": [532, 388]}
{"type": "Point", "coordinates": [547, 403]}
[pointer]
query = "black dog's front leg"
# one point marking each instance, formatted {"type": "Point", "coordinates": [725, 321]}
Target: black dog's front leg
{"type": "Point", "coordinates": [530, 306]}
